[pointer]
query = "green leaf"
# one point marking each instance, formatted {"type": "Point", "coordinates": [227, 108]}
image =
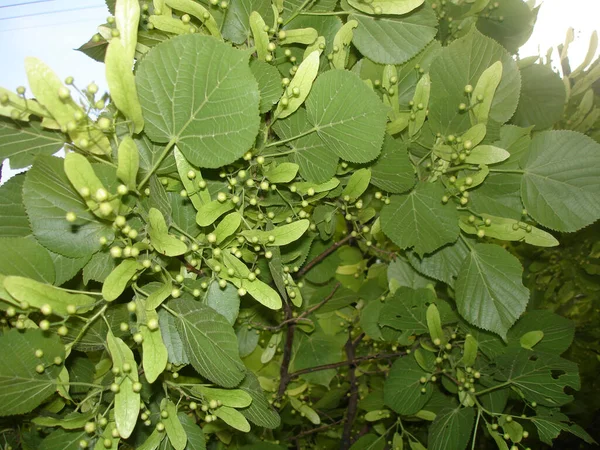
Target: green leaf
{"type": "Point", "coordinates": [443, 264]}
{"type": "Point", "coordinates": [419, 220]}
{"type": "Point", "coordinates": [469, 351]}
{"type": "Point", "coordinates": [282, 173]}
{"type": "Point", "coordinates": [71, 421]}
{"type": "Point", "coordinates": [489, 289]}
{"type": "Point", "coordinates": [38, 294]}
{"type": "Point", "coordinates": [357, 184]}
{"type": "Point", "coordinates": [347, 116]}
{"type": "Point", "coordinates": [23, 388]}
{"type": "Point", "coordinates": [63, 440]}
{"type": "Point", "coordinates": [150, 156]}
{"type": "Point", "coordinates": [195, 435]}
{"type": "Point", "coordinates": [406, 310]}
{"type": "Point", "coordinates": [162, 241]}
{"type": "Point", "coordinates": [317, 349]}
{"type": "Point", "coordinates": [13, 218]}
{"type": "Point", "coordinates": [515, 28]}
{"type": "Point", "coordinates": [117, 281]}
{"type": "Point", "coordinates": [392, 171]}
{"type": "Point", "coordinates": [22, 142]}
{"type": "Point", "coordinates": [542, 99]}
{"type": "Point", "coordinates": [26, 258]}
{"type": "Point", "coordinates": [127, 402]}
{"type": "Point", "coordinates": [93, 338]}
{"type": "Point", "coordinates": [173, 426]}
{"type": "Point", "coordinates": [402, 389]}
{"type": "Point", "coordinates": [500, 196]}
{"type": "Point", "coordinates": [302, 82]}
{"type": "Point", "coordinates": [210, 342]}
{"type": "Point", "coordinates": [539, 377]}
{"type": "Point", "coordinates": [560, 186]}
{"type": "Point", "coordinates": [269, 83]}
{"type": "Point", "coordinates": [394, 40]}
{"type": "Point", "coordinates": [369, 441]}
{"type": "Point", "coordinates": [213, 115]}
{"type": "Point", "coordinates": [487, 154]}
{"type": "Point", "coordinates": [235, 26]}
{"type": "Point", "coordinates": [233, 418]}
{"type": "Point", "coordinates": [550, 423]}
{"type": "Point", "coordinates": [225, 301]}
{"type": "Point", "coordinates": [259, 412]}
{"type": "Point", "coordinates": [285, 234]}
{"type": "Point", "coordinates": [118, 63]}
{"type": "Point", "coordinates": [154, 440]}
{"type": "Point", "coordinates": [317, 163]}
{"type": "Point", "coordinates": [154, 352]}
{"type": "Point", "coordinates": [129, 162]}
{"type": "Point", "coordinates": [434, 324]}
{"type": "Point", "coordinates": [98, 267]}
{"type": "Point", "coordinates": [558, 331]}
{"type": "Point", "coordinates": [66, 268]}
{"type": "Point", "coordinates": [234, 398]}
{"type": "Point", "coordinates": [157, 297]}
{"type": "Point", "coordinates": [451, 429]}
{"type": "Point", "coordinates": [228, 226]}
{"type": "Point", "coordinates": [197, 196]}
{"type": "Point", "coordinates": [461, 64]}
{"type": "Point", "coordinates": [397, 7]}
{"type": "Point", "coordinates": [400, 273]}
{"type": "Point", "coordinates": [48, 196]}
{"type": "Point", "coordinates": [26, 106]}
{"type": "Point", "coordinates": [209, 212]}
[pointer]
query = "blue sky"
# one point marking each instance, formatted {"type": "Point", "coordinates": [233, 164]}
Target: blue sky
{"type": "Point", "coordinates": [49, 30]}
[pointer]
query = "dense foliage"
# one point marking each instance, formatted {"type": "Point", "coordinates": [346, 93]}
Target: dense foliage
{"type": "Point", "coordinates": [297, 224]}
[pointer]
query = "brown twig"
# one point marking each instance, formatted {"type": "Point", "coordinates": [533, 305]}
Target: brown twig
{"type": "Point", "coordinates": [316, 430]}
{"type": "Point", "coordinates": [301, 316]}
{"type": "Point", "coordinates": [352, 408]}
{"type": "Point", "coordinates": [360, 359]}
{"type": "Point", "coordinates": [322, 256]}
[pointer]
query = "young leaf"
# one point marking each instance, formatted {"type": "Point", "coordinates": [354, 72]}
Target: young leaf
{"type": "Point", "coordinates": [38, 294]}
{"type": "Point", "coordinates": [209, 342]}
{"type": "Point", "coordinates": [420, 220]}
{"type": "Point", "coordinates": [117, 281]}
{"type": "Point", "coordinates": [357, 184]}
{"type": "Point", "coordinates": [155, 299]}
{"type": "Point", "coordinates": [553, 199]}
{"type": "Point", "coordinates": [347, 116]}
{"type": "Point", "coordinates": [301, 84]}
{"type": "Point", "coordinates": [261, 38]}
{"type": "Point", "coordinates": [434, 324]}
{"type": "Point", "coordinates": [483, 95]}
{"type": "Point", "coordinates": [282, 235]}
{"type": "Point", "coordinates": [222, 97]}
{"type": "Point", "coordinates": [387, 7]}
{"type": "Point", "coordinates": [421, 105]}
{"type": "Point", "coordinates": [487, 154]}
{"type": "Point", "coordinates": [23, 387]}
{"type": "Point", "coordinates": [234, 398]}
{"type": "Point", "coordinates": [127, 402]}
{"type": "Point", "coordinates": [154, 352]}
{"type": "Point", "coordinates": [469, 351]}
{"type": "Point", "coordinates": [489, 289]}
{"type": "Point", "coordinates": [197, 196]}
{"type": "Point", "coordinates": [159, 235]}
{"type": "Point", "coordinates": [342, 41]}
{"type": "Point", "coordinates": [199, 12]}
{"type": "Point", "coordinates": [128, 162]}
{"type": "Point", "coordinates": [209, 212]}
{"type": "Point", "coordinates": [228, 226]}
{"type": "Point", "coordinates": [173, 426]}
{"type": "Point", "coordinates": [282, 173]}
{"type": "Point", "coordinates": [233, 418]}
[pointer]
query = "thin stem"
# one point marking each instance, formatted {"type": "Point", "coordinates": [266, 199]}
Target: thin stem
{"type": "Point", "coordinates": [317, 430]}
{"type": "Point", "coordinates": [493, 388]}
{"type": "Point", "coordinates": [78, 383]}
{"type": "Point", "coordinates": [360, 359]}
{"type": "Point", "coordinates": [475, 429]}
{"type": "Point", "coordinates": [284, 141]}
{"type": "Point", "coordinates": [467, 243]}
{"type": "Point", "coordinates": [75, 291]}
{"type": "Point", "coordinates": [517, 171]}
{"type": "Point", "coordinates": [298, 11]}
{"type": "Point", "coordinates": [162, 156]}
{"type": "Point", "coordinates": [89, 323]}
{"type": "Point", "coordinates": [322, 256]}
{"type": "Point", "coordinates": [284, 372]}
{"type": "Point", "coordinates": [332, 13]}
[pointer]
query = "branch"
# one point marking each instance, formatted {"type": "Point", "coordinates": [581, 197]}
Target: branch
{"type": "Point", "coordinates": [316, 430]}
{"type": "Point", "coordinates": [284, 372]}
{"type": "Point", "coordinates": [322, 256]}
{"type": "Point", "coordinates": [353, 402]}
